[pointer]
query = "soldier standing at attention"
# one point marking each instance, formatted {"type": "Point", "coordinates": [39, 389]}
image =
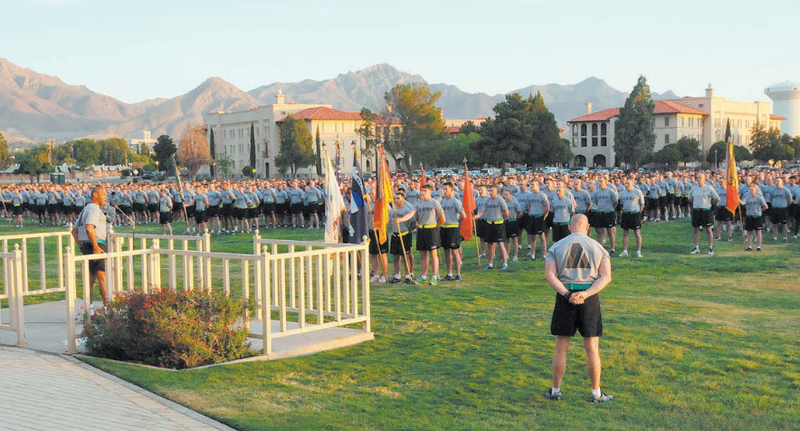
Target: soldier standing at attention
{"type": "Point", "coordinates": [577, 268]}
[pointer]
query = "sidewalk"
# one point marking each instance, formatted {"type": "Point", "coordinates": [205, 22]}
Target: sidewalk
{"type": "Point", "coordinates": [48, 392]}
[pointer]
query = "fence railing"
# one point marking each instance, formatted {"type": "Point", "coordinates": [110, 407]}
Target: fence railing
{"type": "Point", "coordinates": [62, 239]}
{"type": "Point", "coordinates": [296, 283]}
{"type": "Point", "coordinates": [13, 276]}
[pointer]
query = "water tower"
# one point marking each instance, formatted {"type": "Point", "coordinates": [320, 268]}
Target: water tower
{"type": "Point", "coordinates": [786, 99]}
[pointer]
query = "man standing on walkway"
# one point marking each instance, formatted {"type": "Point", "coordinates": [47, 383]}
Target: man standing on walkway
{"type": "Point", "coordinates": [90, 233]}
{"type": "Point", "coordinates": [577, 268]}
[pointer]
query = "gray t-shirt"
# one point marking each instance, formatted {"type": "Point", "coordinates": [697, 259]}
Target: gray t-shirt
{"type": "Point", "coordinates": [578, 258]}
{"type": "Point", "coordinates": [632, 200]}
{"type": "Point", "coordinates": [524, 199]}
{"type": "Point", "coordinates": [428, 212]}
{"type": "Point", "coordinates": [514, 208]}
{"type": "Point", "coordinates": [582, 200]}
{"type": "Point", "coordinates": [702, 196]}
{"type": "Point", "coordinates": [165, 205]}
{"type": "Point", "coordinates": [538, 204]}
{"type": "Point", "coordinates": [780, 197]}
{"type": "Point", "coordinates": [562, 209]}
{"type": "Point", "coordinates": [605, 200]}
{"type": "Point", "coordinates": [92, 215]}
{"type": "Point", "coordinates": [754, 205]}
{"type": "Point", "coordinates": [494, 209]}
{"type": "Point", "coordinates": [452, 207]}
{"type": "Point", "coordinates": [403, 211]}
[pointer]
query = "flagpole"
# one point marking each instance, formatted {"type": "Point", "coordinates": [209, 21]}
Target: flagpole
{"type": "Point", "coordinates": [474, 226]}
{"type": "Point", "coordinates": [180, 188]}
{"type": "Point", "coordinates": [402, 243]}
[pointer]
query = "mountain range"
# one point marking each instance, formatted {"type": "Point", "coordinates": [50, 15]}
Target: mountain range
{"type": "Point", "coordinates": [35, 106]}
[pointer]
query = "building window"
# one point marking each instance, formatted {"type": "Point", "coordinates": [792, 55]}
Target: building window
{"type": "Point", "coordinates": [603, 129]}
{"type": "Point", "coordinates": [603, 141]}
{"type": "Point", "coordinates": [666, 139]}
{"type": "Point", "coordinates": [594, 141]}
{"type": "Point", "coordinates": [574, 142]}
{"type": "Point", "coordinates": [583, 142]}
{"type": "Point", "coordinates": [666, 121]}
{"type": "Point", "coordinates": [575, 129]}
{"type": "Point", "coordinates": [583, 130]}
{"type": "Point", "coordinates": [594, 129]}
{"type": "Point", "coordinates": [683, 122]}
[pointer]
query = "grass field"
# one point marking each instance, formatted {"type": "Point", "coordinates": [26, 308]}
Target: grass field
{"type": "Point", "coordinates": [691, 342]}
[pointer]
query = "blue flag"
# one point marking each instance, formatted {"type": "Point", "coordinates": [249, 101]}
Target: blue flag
{"type": "Point", "coordinates": [358, 211]}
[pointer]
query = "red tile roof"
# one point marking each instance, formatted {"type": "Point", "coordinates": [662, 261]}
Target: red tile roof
{"type": "Point", "coordinates": [453, 129]}
{"type": "Point", "coordinates": [662, 107]}
{"type": "Point", "coordinates": [323, 113]}
{"type": "Point", "coordinates": [776, 117]}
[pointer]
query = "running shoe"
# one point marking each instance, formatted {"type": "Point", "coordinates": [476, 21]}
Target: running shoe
{"type": "Point", "coordinates": [695, 250]}
{"type": "Point", "coordinates": [638, 253]}
{"type": "Point", "coordinates": [624, 253]}
{"type": "Point", "coordinates": [550, 395]}
{"type": "Point", "coordinates": [603, 398]}
{"type": "Point", "coordinates": [505, 266]}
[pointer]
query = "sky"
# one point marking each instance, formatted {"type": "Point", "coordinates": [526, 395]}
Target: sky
{"type": "Point", "coordinates": [137, 50]}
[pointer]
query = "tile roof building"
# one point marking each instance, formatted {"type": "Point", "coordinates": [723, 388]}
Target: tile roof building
{"type": "Point", "coordinates": [702, 118]}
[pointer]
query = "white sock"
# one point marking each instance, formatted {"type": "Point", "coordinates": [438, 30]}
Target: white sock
{"type": "Point", "coordinates": [597, 393]}
{"type": "Point", "coordinates": [555, 390]}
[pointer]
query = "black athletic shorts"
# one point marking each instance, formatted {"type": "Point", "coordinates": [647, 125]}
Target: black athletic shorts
{"type": "Point", "coordinates": [779, 215]}
{"type": "Point", "coordinates": [40, 209]}
{"type": "Point", "coordinates": [396, 248]}
{"type": "Point", "coordinates": [753, 223]}
{"type": "Point", "coordinates": [269, 208]}
{"type": "Point", "coordinates": [165, 218]}
{"type": "Point", "coordinates": [190, 210]}
{"type": "Point", "coordinates": [584, 318]}
{"type": "Point", "coordinates": [606, 220]}
{"type": "Point", "coordinates": [97, 264]}
{"type": "Point", "coordinates": [702, 218]}
{"type": "Point", "coordinates": [723, 214]}
{"type": "Point", "coordinates": [768, 211]}
{"type": "Point", "coordinates": [296, 208]}
{"type": "Point", "coordinates": [536, 225]}
{"type": "Point", "coordinates": [631, 221]}
{"type": "Point", "coordinates": [240, 213]}
{"type": "Point", "coordinates": [480, 228]}
{"type": "Point", "coordinates": [662, 201]}
{"type": "Point", "coordinates": [139, 207]}
{"type": "Point", "coordinates": [212, 211]}
{"type": "Point", "coordinates": [373, 244]}
{"type": "Point", "coordinates": [560, 231]}
{"type": "Point", "coordinates": [652, 203]}
{"type": "Point", "coordinates": [670, 198]}
{"type": "Point", "coordinates": [794, 210]}
{"type": "Point", "coordinates": [524, 221]}
{"type": "Point", "coordinates": [512, 228]}
{"type": "Point", "coordinates": [450, 238]}
{"type": "Point", "coordinates": [427, 239]}
{"type": "Point", "coordinates": [200, 216]}
{"type": "Point", "coordinates": [495, 232]}
{"type": "Point", "coordinates": [153, 208]}
{"type": "Point", "coordinates": [17, 210]}
{"type": "Point", "coordinates": [227, 210]}
{"type": "Point", "coordinates": [548, 221]}
{"type": "Point", "coordinates": [282, 208]}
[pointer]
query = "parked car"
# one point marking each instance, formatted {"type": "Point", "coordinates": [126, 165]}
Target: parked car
{"type": "Point", "coordinates": [475, 174]}
{"type": "Point", "coordinates": [444, 172]}
{"type": "Point", "coordinates": [148, 175]}
{"type": "Point", "coordinates": [793, 166]}
{"type": "Point", "coordinates": [617, 171]}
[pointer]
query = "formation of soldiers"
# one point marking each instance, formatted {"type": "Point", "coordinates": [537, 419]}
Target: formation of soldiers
{"type": "Point", "coordinates": [428, 217]}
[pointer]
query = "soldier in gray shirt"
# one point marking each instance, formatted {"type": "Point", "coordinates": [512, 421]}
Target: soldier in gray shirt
{"type": "Point", "coordinates": [632, 207]}
{"type": "Point", "coordinates": [451, 232]}
{"type": "Point", "coordinates": [578, 268]}
{"type": "Point", "coordinates": [605, 202]}
{"type": "Point", "coordinates": [779, 216]}
{"type": "Point", "coordinates": [538, 209]}
{"type": "Point", "coordinates": [495, 211]}
{"type": "Point", "coordinates": [165, 212]}
{"type": "Point", "coordinates": [430, 216]}
{"type": "Point", "coordinates": [401, 236]}
{"type": "Point", "coordinates": [90, 235]}
{"type": "Point", "coordinates": [563, 207]}
{"type": "Point", "coordinates": [755, 204]}
{"type": "Point", "coordinates": [703, 197]}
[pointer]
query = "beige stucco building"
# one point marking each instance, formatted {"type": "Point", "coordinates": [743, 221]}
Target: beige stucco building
{"type": "Point", "coordinates": [232, 135]}
{"type": "Point", "coordinates": [702, 118]}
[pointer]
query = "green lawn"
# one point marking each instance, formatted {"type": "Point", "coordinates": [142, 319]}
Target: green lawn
{"type": "Point", "coordinates": [691, 342]}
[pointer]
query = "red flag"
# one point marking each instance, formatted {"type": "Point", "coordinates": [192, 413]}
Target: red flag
{"type": "Point", "coordinates": [422, 181]}
{"type": "Point", "coordinates": [469, 207]}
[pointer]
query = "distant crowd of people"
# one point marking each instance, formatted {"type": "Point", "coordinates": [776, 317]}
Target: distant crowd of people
{"type": "Point", "coordinates": [508, 208]}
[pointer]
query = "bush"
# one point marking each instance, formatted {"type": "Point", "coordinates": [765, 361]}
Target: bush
{"type": "Point", "coordinates": [169, 328]}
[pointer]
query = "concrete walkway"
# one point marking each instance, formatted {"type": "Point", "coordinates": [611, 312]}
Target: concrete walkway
{"type": "Point", "coordinates": [49, 392]}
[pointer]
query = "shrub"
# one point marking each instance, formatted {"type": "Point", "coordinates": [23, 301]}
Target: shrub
{"type": "Point", "coordinates": [167, 328]}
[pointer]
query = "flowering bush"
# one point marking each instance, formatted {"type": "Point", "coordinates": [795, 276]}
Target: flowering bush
{"type": "Point", "coordinates": [167, 328]}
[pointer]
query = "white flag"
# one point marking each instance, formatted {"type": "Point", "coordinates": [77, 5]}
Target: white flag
{"type": "Point", "coordinates": [334, 204]}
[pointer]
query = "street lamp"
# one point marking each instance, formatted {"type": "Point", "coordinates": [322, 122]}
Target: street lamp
{"type": "Point", "coordinates": [214, 167]}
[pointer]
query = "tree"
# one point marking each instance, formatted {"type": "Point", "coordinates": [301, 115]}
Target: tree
{"type": "Point", "coordinates": [86, 152]}
{"type": "Point", "coordinates": [212, 149]}
{"type": "Point", "coordinates": [224, 163]}
{"type": "Point", "coordinates": [792, 142]}
{"type": "Point", "coordinates": [247, 171]}
{"type": "Point", "coordinates": [319, 155]}
{"type": "Point", "coordinates": [634, 138]}
{"type": "Point", "coordinates": [669, 155]}
{"type": "Point", "coordinates": [62, 154]}
{"type": "Point", "coordinates": [295, 150]}
{"type": "Point", "coordinates": [414, 107]}
{"type": "Point", "coordinates": [113, 151]}
{"type": "Point", "coordinates": [689, 148]}
{"type": "Point", "coordinates": [5, 154]}
{"type": "Point", "coordinates": [545, 146]}
{"type": "Point", "coordinates": [252, 146]}
{"type": "Point", "coordinates": [767, 145]}
{"type": "Point", "coordinates": [369, 131]}
{"type": "Point", "coordinates": [740, 153]}
{"type": "Point", "coordinates": [467, 128]}
{"type": "Point", "coordinates": [453, 151]}
{"type": "Point", "coordinates": [506, 138]}
{"type": "Point", "coordinates": [193, 152]}
{"type": "Point", "coordinates": [34, 162]}
{"type": "Point", "coordinates": [563, 153]}
{"type": "Point", "coordinates": [164, 149]}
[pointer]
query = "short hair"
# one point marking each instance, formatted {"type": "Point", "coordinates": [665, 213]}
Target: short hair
{"type": "Point", "coordinates": [448, 184]}
{"type": "Point", "coordinates": [426, 187]}
{"type": "Point", "coordinates": [400, 192]}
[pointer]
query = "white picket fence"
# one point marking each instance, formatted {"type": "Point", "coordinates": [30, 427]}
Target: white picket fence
{"type": "Point", "coordinates": [29, 287]}
{"type": "Point", "coordinates": [294, 279]}
{"type": "Point", "coordinates": [13, 276]}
